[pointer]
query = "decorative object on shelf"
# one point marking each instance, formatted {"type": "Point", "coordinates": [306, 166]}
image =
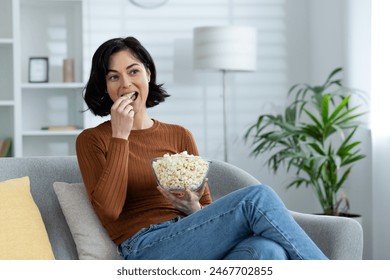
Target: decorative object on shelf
{"type": "Point", "coordinates": [314, 139]}
{"type": "Point", "coordinates": [225, 48]}
{"type": "Point", "coordinates": [149, 4]}
{"type": "Point", "coordinates": [38, 70]}
{"type": "Point", "coordinates": [61, 127]}
{"type": "Point", "coordinates": [68, 70]}
{"type": "Point", "coordinates": [6, 147]}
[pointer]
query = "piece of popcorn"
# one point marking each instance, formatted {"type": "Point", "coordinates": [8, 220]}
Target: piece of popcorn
{"type": "Point", "coordinates": [179, 171]}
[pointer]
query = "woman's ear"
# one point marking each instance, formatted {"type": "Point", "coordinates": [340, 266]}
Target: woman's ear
{"type": "Point", "coordinates": [149, 75]}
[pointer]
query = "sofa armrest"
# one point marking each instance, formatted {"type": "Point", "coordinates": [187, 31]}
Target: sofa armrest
{"type": "Point", "coordinates": [339, 238]}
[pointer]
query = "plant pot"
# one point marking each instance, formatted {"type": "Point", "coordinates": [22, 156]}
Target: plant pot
{"type": "Point", "coordinates": [356, 217]}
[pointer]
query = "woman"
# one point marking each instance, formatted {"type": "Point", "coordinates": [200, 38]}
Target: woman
{"type": "Point", "coordinates": [146, 221]}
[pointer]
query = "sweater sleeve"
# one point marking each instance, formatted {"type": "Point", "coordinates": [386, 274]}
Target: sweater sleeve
{"type": "Point", "coordinates": [104, 172]}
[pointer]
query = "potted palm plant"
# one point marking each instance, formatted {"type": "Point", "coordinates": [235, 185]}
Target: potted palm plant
{"type": "Point", "coordinates": [314, 137]}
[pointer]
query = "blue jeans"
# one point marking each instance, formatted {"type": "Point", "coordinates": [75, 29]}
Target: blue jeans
{"type": "Point", "coordinates": [250, 223]}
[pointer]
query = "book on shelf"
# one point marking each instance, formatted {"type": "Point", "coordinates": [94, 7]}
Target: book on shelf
{"type": "Point", "coordinates": [6, 147]}
{"type": "Point", "coordinates": [61, 127]}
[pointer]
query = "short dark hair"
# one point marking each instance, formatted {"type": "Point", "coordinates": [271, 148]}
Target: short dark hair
{"type": "Point", "coordinates": [95, 91]}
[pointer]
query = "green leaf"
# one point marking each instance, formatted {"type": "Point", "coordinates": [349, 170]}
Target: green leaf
{"type": "Point", "coordinates": [333, 73]}
{"type": "Point", "coordinates": [325, 108]}
{"type": "Point", "coordinates": [339, 108]}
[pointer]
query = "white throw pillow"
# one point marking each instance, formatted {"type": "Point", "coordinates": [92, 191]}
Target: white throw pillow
{"type": "Point", "coordinates": [91, 238]}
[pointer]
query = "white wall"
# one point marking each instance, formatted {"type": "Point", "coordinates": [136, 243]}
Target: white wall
{"type": "Point", "coordinates": [357, 50]}
{"type": "Point", "coordinates": [380, 128]}
{"type": "Point", "coordinates": [299, 41]}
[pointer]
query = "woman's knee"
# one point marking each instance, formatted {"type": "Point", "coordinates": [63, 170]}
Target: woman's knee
{"type": "Point", "coordinates": [260, 189]}
{"type": "Point", "coordinates": [263, 193]}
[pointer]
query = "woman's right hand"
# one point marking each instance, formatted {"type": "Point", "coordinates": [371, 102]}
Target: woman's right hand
{"type": "Point", "coordinates": [122, 117]}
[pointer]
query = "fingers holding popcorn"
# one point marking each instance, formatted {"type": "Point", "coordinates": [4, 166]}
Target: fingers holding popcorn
{"type": "Point", "coordinates": [122, 117]}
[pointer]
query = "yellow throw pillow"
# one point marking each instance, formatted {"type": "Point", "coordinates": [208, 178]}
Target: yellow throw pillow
{"type": "Point", "coordinates": [23, 234]}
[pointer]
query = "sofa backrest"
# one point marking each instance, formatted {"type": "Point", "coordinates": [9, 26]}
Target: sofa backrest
{"type": "Point", "coordinates": [43, 172]}
{"type": "Point", "coordinates": [225, 178]}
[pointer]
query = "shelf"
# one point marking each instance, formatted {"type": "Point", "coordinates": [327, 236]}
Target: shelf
{"type": "Point", "coordinates": [7, 103]}
{"type": "Point", "coordinates": [51, 132]}
{"type": "Point", "coordinates": [6, 41]}
{"type": "Point", "coordinates": [52, 85]}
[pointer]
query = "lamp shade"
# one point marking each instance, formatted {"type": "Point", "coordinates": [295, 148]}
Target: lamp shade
{"type": "Point", "coordinates": [229, 48]}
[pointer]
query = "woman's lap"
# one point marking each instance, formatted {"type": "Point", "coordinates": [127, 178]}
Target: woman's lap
{"type": "Point", "coordinates": [215, 231]}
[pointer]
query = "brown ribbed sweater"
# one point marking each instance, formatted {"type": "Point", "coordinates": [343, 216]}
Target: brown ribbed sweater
{"type": "Point", "coordinates": [119, 178]}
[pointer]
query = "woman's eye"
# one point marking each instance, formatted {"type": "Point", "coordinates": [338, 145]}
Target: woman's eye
{"type": "Point", "coordinates": [133, 72]}
{"type": "Point", "coordinates": [112, 77]}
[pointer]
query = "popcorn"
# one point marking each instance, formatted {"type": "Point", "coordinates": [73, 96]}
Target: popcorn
{"type": "Point", "coordinates": [178, 171]}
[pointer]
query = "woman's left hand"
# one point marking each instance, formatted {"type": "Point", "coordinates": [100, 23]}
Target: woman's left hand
{"type": "Point", "coordinates": [186, 201]}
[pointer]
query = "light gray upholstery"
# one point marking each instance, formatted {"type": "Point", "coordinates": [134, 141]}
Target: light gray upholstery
{"type": "Point", "coordinates": [338, 237]}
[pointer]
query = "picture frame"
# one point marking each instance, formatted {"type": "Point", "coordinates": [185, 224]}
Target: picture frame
{"type": "Point", "coordinates": [38, 70]}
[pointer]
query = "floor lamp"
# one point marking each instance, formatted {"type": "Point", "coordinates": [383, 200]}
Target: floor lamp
{"type": "Point", "coordinates": [225, 49]}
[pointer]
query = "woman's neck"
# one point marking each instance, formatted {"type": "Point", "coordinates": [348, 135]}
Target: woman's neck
{"type": "Point", "coordinates": [142, 122]}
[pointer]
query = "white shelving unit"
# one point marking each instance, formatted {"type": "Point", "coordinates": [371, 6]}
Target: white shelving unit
{"type": "Point", "coordinates": [7, 69]}
{"type": "Point", "coordinates": [40, 28]}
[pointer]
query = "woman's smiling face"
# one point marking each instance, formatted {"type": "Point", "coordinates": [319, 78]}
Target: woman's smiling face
{"type": "Point", "coordinates": [128, 76]}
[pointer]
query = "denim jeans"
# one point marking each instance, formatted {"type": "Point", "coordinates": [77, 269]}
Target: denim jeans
{"type": "Point", "coordinates": [250, 223]}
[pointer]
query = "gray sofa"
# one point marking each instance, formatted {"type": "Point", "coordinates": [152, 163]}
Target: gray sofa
{"type": "Point", "coordinates": [338, 237]}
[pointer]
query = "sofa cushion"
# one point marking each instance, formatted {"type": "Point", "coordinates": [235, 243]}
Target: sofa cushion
{"type": "Point", "coordinates": [91, 238]}
{"type": "Point", "coordinates": [23, 234]}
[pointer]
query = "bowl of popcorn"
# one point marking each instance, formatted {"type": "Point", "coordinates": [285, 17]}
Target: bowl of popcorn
{"type": "Point", "coordinates": [179, 171]}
